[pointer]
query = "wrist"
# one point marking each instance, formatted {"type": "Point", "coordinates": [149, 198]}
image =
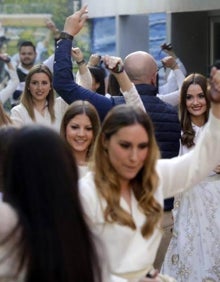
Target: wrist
{"type": "Point", "coordinates": [65, 35]}
{"type": "Point", "coordinates": [82, 62]}
{"type": "Point", "coordinates": [56, 33]}
{"type": "Point", "coordinates": [119, 68]}
{"type": "Point", "coordinates": [174, 66]}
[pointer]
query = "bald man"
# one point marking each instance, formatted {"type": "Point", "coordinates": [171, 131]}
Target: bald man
{"type": "Point", "coordinates": [142, 71]}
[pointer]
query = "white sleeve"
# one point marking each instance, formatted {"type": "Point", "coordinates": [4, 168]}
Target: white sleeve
{"type": "Point", "coordinates": [85, 80]}
{"type": "Point", "coordinates": [173, 97]}
{"type": "Point", "coordinates": [49, 62]}
{"type": "Point", "coordinates": [11, 86]}
{"type": "Point", "coordinates": [183, 172]}
{"type": "Point", "coordinates": [17, 117]}
{"type": "Point", "coordinates": [132, 97]}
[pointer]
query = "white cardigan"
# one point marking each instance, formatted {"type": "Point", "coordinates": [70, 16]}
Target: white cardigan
{"type": "Point", "coordinates": [20, 116]}
{"type": "Point", "coordinates": [128, 251]}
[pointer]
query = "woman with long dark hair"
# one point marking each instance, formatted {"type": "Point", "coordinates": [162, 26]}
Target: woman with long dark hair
{"type": "Point", "coordinates": [43, 234]}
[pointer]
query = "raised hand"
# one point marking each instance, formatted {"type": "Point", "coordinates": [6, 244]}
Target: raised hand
{"type": "Point", "coordinates": [75, 22]}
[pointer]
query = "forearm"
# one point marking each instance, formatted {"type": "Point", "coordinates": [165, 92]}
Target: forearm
{"type": "Point", "coordinates": [171, 98]}
{"type": "Point", "coordinates": [65, 85]}
{"type": "Point", "coordinates": [133, 98]}
{"type": "Point", "coordinates": [84, 78]}
{"type": "Point", "coordinates": [179, 77]}
{"type": "Point", "coordinates": [184, 172]}
{"type": "Point", "coordinates": [11, 86]}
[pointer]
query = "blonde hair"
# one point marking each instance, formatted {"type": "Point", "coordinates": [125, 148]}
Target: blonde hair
{"type": "Point", "coordinates": [26, 97]}
{"type": "Point", "coordinates": [4, 118]}
{"type": "Point", "coordinates": [145, 183]}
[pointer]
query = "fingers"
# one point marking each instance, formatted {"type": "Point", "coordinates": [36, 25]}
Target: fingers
{"type": "Point", "coordinates": [83, 10]}
{"type": "Point", "coordinates": [77, 54]}
{"type": "Point", "coordinates": [111, 62]}
{"type": "Point", "coordinates": [168, 61]}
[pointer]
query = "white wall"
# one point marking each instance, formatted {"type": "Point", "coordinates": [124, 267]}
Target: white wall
{"type": "Point", "coordinates": [106, 8]}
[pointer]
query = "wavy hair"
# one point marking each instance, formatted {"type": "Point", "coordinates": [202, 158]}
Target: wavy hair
{"type": "Point", "coordinates": [188, 134]}
{"type": "Point", "coordinates": [26, 97]}
{"type": "Point", "coordinates": [145, 183]}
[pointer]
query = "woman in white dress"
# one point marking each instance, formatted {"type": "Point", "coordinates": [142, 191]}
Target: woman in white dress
{"type": "Point", "coordinates": [193, 252]}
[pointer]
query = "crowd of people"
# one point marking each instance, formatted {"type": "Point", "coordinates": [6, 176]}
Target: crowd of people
{"type": "Point", "coordinates": [88, 160]}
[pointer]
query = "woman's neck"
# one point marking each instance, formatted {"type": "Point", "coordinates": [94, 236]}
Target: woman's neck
{"type": "Point", "coordinates": [126, 192]}
{"type": "Point", "coordinates": [80, 157]}
{"type": "Point", "coordinates": [40, 106]}
{"type": "Point", "coordinates": [199, 121]}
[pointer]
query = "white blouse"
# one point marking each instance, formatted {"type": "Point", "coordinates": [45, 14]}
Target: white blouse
{"type": "Point", "coordinates": [20, 116]}
{"type": "Point", "coordinates": [127, 250]}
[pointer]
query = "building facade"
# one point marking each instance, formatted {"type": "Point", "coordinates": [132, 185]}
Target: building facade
{"type": "Point", "coordinates": [192, 26]}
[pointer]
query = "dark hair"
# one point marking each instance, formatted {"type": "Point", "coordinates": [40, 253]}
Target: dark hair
{"type": "Point", "coordinates": [7, 134]}
{"type": "Point", "coordinates": [41, 184]}
{"type": "Point", "coordinates": [113, 86]}
{"type": "Point", "coordinates": [26, 44]}
{"type": "Point", "coordinates": [188, 134]}
{"type": "Point", "coordinates": [99, 75]}
{"type": "Point", "coordinates": [77, 108]}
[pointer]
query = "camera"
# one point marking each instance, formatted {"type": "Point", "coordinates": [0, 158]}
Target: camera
{"type": "Point", "coordinates": [5, 59]}
{"type": "Point", "coordinates": [167, 46]}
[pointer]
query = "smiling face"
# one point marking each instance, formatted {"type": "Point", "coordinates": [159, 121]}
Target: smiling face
{"type": "Point", "coordinates": [195, 101]}
{"type": "Point", "coordinates": [79, 133]}
{"type": "Point", "coordinates": [27, 56]}
{"type": "Point", "coordinates": [127, 151]}
{"type": "Point", "coordinates": [39, 87]}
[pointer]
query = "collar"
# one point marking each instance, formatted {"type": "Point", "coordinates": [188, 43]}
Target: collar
{"type": "Point", "coordinates": [24, 70]}
{"type": "Point", "coordinates": [146, 89]}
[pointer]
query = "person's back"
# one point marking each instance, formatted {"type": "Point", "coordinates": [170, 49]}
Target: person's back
{"type": "Point", "coordinates": [44, 236]}
{"type": "Point", "coordinates": [142, 71]}
{"type": "Point", "coordinates": [165, 120]}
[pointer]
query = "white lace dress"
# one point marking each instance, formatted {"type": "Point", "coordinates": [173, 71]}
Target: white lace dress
{"type": "Point", "coordinates": [193, 254]}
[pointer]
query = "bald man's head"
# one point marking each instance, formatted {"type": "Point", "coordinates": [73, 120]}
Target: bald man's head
{"type": "Point", "coordinates": [141, 67]}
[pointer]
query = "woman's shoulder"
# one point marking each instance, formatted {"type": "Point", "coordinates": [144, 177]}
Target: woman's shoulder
{"type": "Point", "coordinates": [87, 180]}
{"type": "Point", "coordinates": [87, 187]}
{"type": "Point", "coordinates": [20, 108]}
{"type": "Point", "coordinates": [60, 105]}
{"type": "Point", "coordinates": [8, 219]}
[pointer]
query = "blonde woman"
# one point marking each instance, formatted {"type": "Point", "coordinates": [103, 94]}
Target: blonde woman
{"type": "Point", "coordinates": [123, 196]}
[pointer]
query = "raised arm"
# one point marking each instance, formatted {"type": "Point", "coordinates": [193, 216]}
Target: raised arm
{"type": "Point", "coordinates": [13, 82]}
{"type": "Point", "coordinates": [128, 89]}
{"type": "Point", "coordinates": [184, 172]}
{"type": "Point", "coordinates": [83, 75]}
{"type": "Point", "coordinates": [63, 80]}
{"type": "Point", "coordinates": [172, 98]}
